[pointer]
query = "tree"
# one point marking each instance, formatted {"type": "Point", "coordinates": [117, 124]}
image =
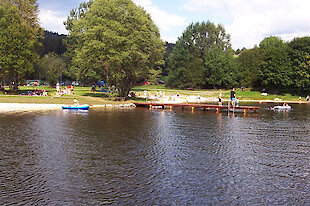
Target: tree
{"type": "Point", "coordinates": [300, 59]}
{"type": "Point", "coordinates": [190, 65]}
{"type": "Point", "coordinates": [221, 70]}
{"type": "Point", "coordinates": [177, 65]}
{"type": "Point", "coordinates": [53, 42]}
{"type": "Point", "coordinates": [114, 40]}
{"type": "Point", "coordinates": [275, 72]}
{"type": "Point", "coordinates": [19, 34]}
{"type": "Point", "coordinates": [250, 62]}
{"type": "Point", "coordinates": [53, 67]}
{"type": "Point", "coordinates": [169, 49]}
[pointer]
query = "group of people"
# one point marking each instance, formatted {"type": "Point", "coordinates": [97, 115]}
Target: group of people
{"type": "Point", "coordinates": [36, 92]}
{"type": "Point", "coordinates": [104, 88]}
{"type": "Point", "coordinates": [66, 90]}
{"type": "Point", "coordinates": [234, 101]}
{"type": "Point", "coordinates": [158, 95]}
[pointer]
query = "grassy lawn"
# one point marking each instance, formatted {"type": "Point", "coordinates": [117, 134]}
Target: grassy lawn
{"type": "Point", "coordinates": [247, 94]}
{"type": "Point", "coordinates": [85, 96]}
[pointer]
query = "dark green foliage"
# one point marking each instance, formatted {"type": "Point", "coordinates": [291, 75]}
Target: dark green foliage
{"type": "Point", "coordinates": [53, 42]}
{"type": "Point", "coordinates": [277, 66]}
{"type": "Point", "coordinates": [275, 72]}
{"type": "Point", "coordinates": [249, 65]}
{"type": "Point", "coordinates": [300, 60]}
{"type": "Point", "coordinates": [53, 67]}
{"type": "Point", "coordinates": [202, 58]}
{"type": "Point", "coordinates": [221, 70]}
{"type": "Point", "coordinates": [169, 47]}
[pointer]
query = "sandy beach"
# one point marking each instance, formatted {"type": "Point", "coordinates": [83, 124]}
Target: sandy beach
{"type": "Point", "coordinates": [7, 107]}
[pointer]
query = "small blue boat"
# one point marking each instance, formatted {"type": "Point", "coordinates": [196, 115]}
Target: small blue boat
{"type": "Point", "coordinates": [76, 107]}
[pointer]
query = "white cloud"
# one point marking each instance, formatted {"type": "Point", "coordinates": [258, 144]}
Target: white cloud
{"type": "Point", "coordinates": [165, 21]}
{"type": "Point", "coordinates": [249, 22]}
{"type": "Point", "coordinates": [52, 21]}
{"type": "Point", "coordinates": [168, 23]}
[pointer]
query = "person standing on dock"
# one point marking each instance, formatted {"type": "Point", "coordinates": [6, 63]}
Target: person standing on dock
{"type": "Point", "coordinates": [232, 97]}
{"type": "Point", "coordinates": [220, 99]}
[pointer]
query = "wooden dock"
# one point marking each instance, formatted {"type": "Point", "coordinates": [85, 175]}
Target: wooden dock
{"type": "Point", "coordinates": [152, 105]}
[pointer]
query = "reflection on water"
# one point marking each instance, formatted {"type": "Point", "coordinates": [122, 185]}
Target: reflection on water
{"type": "Point", "coordinates": [140, 156]}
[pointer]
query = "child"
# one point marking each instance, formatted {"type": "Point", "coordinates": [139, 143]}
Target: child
{"type": "Point", "coordinates": [75, 101]}
{"type": "Point", "coordinates": [237, 102]}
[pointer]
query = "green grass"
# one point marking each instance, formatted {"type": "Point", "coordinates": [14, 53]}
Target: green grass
{"type": "Point", "coordinates": [247, 94]}
{"type": "Point", "coordinates": [83, 94]}
{"type": "Point", "coordinates": [255, 95]}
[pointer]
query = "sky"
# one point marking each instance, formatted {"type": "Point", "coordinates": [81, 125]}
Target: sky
{"type": "Point", "coordinates": [247, 21]}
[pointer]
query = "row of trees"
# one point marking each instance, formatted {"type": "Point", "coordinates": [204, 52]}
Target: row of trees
{"type": "Point", "coordinates": [203, 58]}
{"type": "Point", "coordinates": [117, 41]}
{"type": "Point", "coordinates": [114, 40]}
{"type": "Point", "coordinates": [281, 66]}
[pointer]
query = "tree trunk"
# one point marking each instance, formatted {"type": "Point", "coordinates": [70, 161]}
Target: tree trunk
{"type": "Point", "coordinates": [14, 84]}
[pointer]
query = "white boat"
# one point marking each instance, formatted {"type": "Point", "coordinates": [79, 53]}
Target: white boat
{"type": "Point", "coordinates": [287, 107]}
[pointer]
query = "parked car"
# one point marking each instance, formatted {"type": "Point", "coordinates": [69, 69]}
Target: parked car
{"type": "Point", "coordinates": [75, 83]}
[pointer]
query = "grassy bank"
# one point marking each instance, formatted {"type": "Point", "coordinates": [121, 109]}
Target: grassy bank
{"type": "Point", "coordinates": [247, 94]}
{"type": "Point", "coordinates": [85, 96]}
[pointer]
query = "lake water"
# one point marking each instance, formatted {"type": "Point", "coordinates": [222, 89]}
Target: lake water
{"type": "Point", "coordinates": [155, 157]}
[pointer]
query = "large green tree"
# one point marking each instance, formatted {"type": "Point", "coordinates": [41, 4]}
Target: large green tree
{"type": "Point", "coordinates": [300, 59]}
{"type": "Point", "coordinates": [275, 72]}
{"type": "Point", "coordinates": [53, 67]}
{"type": "Point", "coordinates": [192, 63]}
{"type": "Point", "coordinates": [221, 69]}
{"type": "Point", "coordinates": [250, 61]}
{"type": "Point", "coordinates": [19, 34]}
{"type": "Point", "coordinates": [114, 40]}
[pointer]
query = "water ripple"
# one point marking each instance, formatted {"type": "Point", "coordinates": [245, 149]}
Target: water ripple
{"type": "Point", "coordinates": [142, 157]}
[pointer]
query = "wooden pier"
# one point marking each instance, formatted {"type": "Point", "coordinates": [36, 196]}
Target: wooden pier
{"type": "Point", "coordinates": [152, 105]}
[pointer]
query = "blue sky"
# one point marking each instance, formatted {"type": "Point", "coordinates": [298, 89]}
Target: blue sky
{"type": "Point", "coordinates": [248, 22]}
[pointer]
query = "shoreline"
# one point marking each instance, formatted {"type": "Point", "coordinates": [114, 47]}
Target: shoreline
{"type": "Point", "coordinates": [11, 107]}
{"type": "Point", "coordinates": [7, 107]}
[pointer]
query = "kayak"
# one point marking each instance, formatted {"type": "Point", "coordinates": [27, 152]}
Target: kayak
{"type": "Point", "coordinates": [76, 107]}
